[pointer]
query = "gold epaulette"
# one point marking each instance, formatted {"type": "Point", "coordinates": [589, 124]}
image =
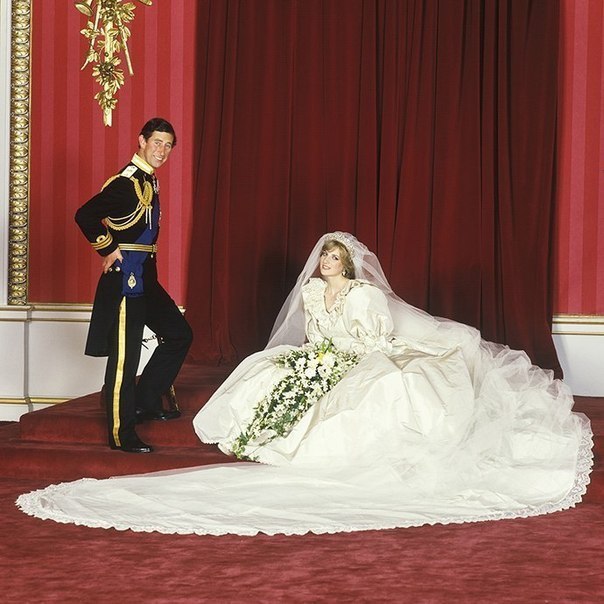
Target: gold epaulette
{"type": "Point", "coordinates": [109, 181]}
{"type": "Point", "coordinates": [145, 197]}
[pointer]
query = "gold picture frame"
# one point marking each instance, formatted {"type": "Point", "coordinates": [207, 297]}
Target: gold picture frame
{"type": "Point", "coordinates": [19, 136]}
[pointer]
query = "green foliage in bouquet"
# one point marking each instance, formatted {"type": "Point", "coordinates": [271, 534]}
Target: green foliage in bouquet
{"type": "Point", "coordinates": [314, 371]}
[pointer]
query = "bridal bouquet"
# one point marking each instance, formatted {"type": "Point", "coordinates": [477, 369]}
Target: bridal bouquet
{"type": "Point", "coordinates": [315, 370]}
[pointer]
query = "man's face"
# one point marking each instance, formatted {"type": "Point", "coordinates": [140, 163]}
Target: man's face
{"type": "Point", "coordinates": [156, 148]}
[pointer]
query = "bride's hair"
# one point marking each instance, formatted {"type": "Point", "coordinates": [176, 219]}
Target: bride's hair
{"type": "Point", "coordinates": [345, 257]}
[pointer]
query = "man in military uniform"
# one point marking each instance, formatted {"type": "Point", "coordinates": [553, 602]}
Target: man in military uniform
{"type": "Point", "coordinates": [122, 225]}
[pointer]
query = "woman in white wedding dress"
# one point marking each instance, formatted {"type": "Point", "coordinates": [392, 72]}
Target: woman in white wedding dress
{"type": "Point", "coordinates": [365, 413]}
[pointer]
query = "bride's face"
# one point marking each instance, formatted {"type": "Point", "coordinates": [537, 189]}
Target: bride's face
{"type": "Point", "coordinates": [330, 263]}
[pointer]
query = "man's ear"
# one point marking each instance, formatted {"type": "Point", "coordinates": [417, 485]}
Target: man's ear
{"type": "Point", "coordinates": [141, 141]}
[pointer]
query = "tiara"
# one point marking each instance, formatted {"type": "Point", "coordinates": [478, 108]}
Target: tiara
{"type": "Point", "coordinates": [344, 238]}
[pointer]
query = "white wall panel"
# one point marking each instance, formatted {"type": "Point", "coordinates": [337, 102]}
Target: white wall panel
{"type": "Point", "coordinates": [42, 357]}
{"type": "Point", "coordinates": [579, 341]}
{"type": "Point", "coordinates": [13, 326]}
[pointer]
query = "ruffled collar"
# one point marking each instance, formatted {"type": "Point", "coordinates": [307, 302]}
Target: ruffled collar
{"type": "Point", "coordinates": [314, 296]}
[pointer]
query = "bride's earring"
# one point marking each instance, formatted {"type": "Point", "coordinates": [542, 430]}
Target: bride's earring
{"type": "Point", "coordinates": [344, 273]}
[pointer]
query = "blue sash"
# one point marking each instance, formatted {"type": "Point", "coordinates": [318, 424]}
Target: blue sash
{"type": "Point", "coordinates": [132, 263]}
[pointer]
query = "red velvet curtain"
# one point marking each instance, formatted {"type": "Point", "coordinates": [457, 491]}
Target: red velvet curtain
{"type": "Point", "coordinates": [425, 127]}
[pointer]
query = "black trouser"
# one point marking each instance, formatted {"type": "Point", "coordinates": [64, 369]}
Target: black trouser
{"type": "Point", "coordinates": [122, 395]}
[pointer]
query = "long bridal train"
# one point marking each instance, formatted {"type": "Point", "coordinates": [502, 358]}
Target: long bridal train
{"type": "Point", "coordinates": [247, 498]}
{"type": "Point", "coordinates": [431, 425]}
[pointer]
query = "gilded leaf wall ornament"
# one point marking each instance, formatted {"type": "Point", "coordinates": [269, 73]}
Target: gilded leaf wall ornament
{"type": "Point", "coordinates": [108, 38]}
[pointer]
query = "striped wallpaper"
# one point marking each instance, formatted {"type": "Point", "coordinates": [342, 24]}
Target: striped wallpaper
{"type": "Point", "coordinates": [72, 153]}
{"type": "Point", "coordinates": [580, 237]}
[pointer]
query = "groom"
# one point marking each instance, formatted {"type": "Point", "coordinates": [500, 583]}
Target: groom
{"type": "Point", "coordinates": [122, 225]}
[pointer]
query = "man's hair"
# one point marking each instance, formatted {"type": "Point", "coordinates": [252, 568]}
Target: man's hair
{"type": "Point", "coordinates": [158, 124]}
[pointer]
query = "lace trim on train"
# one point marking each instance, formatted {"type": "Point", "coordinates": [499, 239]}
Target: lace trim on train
{"type": "Point", "coordinates": [36, 503]}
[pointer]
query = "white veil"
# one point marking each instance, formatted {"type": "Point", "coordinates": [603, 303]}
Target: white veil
{"type": "Point", "coordinates": [417, 329]}
{"type": "Point", "coordinates": [411, 324]}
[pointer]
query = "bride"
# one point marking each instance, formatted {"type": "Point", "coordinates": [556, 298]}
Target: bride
{"type": "Point", "coordinates": [365, 413]}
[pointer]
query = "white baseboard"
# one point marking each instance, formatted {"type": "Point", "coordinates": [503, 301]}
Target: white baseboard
{"type": "Point", "coordinates": [579, 341]}
{"type": "Point", "coordinates": [42, 357]}
{"type": "Point", "coordinates": [42, 360]}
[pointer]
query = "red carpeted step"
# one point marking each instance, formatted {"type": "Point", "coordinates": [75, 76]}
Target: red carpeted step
{"type": "Point", "coordinates": [188, 396]}
{"type": "Point", "coordinates": [83, 421]}
{"type": "Point", "coordinates": [61, 462]}
{"type": "Point", "coordinates": [195, 381]}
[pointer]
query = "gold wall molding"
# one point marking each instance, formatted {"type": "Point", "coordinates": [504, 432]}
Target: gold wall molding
{"type": "Point", "coordinates": [578, 325]}
{"type": "Point", "coordinates": [561, 319]}
{"type": "Point", "coordinates": [18, 205]}
{"type": "Point", "coordinates": [26, 400]}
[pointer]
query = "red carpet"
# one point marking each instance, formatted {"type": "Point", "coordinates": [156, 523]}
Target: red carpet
{"type": "Point", "coordinates": [552, 558]}
{"type": "Point", "coordinates": [69, 441]}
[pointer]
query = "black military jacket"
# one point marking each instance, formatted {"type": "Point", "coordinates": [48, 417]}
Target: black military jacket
{"type": "Point", "coordinates": [127, 205]}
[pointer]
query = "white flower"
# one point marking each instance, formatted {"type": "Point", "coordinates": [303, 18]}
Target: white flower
{"type": "Point", "coordinates": [323, 371]}
{"type": "Point", "coordinates": [329, 359]}
{"type": "Point", "coordinates": [310, 372]}
{"type": "Point", "coordinates": [317, 390]}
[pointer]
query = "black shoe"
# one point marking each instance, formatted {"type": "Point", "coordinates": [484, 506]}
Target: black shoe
{"type": "Point", "coordinates": [133, 445]}
{"type": "Point", "coordinates": [159, 415]}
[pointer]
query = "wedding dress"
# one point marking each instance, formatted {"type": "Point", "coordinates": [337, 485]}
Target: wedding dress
{"type": "Point", "coordinates": [431, 425]}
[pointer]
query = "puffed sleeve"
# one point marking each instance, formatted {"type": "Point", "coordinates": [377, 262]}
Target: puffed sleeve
{"type": "Point", "coordinates": [368, 320]}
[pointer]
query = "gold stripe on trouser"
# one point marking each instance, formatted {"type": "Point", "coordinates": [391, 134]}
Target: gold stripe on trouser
{"type": "Point", "coordinates": [119, 371]}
